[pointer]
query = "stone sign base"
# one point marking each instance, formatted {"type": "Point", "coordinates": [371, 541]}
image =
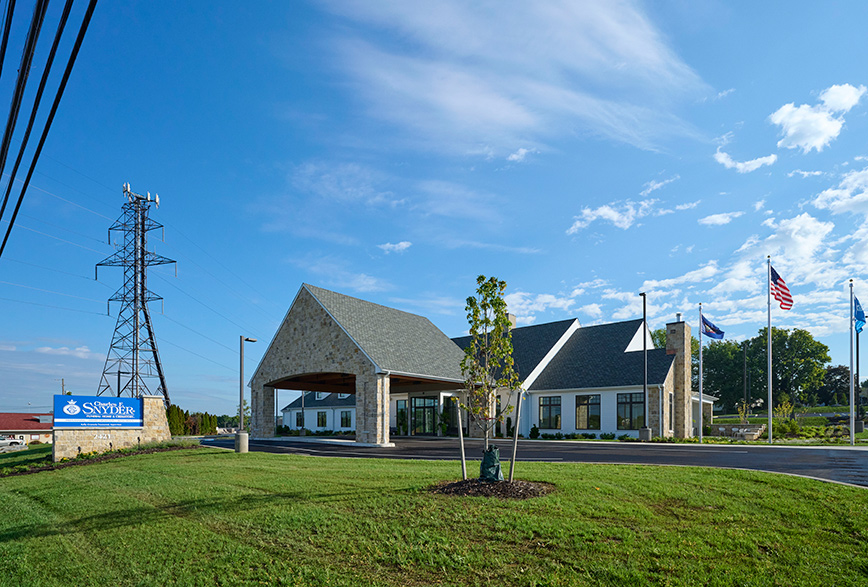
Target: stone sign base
{"type": "Point", "coordinates": [70, 442]}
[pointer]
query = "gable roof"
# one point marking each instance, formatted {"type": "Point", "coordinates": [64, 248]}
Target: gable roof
{"type": "Point", "coordinates": [394, 340]}
{"type": "Point", "coordinates": [13, 421]}
{"type": "Point", "coordinates": [331, 400]}
{"type": "Point", "coordinates": [594, 357]}
{"type": "Point", "coordinates": [530, 344]}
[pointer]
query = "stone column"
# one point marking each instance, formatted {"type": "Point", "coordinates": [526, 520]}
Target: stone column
{"type": "Point", "coordinates": [678, 343]}
{"type": "Point", "coordinates": [262, 412]}
{"type": "Point", "coordinates": [372, 408]}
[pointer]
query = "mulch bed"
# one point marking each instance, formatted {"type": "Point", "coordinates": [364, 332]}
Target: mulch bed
{"type": "Point", "coordinates": [498, 489]}
{"type": "Point", "coordinates": [97, 459]}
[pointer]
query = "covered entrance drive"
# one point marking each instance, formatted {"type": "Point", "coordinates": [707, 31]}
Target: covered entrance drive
{"type": "Point", "coordinates": [334, 343]}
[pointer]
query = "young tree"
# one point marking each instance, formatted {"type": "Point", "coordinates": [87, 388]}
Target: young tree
{"type": "Point", "coordinates": [488, 366]}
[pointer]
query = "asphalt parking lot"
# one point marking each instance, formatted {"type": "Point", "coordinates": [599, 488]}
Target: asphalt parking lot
{"type": "Point", "coordinates": [843, 464]}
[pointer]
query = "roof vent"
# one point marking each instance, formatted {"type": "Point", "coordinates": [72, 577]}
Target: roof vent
{"type": "Point", "coordinates": [678, 316]}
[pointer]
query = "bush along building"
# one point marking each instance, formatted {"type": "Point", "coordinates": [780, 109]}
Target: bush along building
{"type": "Point", "coordinates": [396, 373]}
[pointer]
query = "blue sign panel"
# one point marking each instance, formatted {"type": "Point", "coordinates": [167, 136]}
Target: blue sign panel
{"type": "Point", "coordinates": [83, 411]}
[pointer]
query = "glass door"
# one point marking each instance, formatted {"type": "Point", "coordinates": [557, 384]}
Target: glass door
{"type": "Point", "coordinates": [424, 413]}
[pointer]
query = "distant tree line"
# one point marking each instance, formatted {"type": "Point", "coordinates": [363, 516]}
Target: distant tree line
{"type": "Point", "coordinates": [183, 423]}
{"type": "Point", "coordinates": [800, 370]}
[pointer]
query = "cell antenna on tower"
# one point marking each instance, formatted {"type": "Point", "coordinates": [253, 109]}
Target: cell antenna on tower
{"type": "Point", "coordinates": [133, 356]}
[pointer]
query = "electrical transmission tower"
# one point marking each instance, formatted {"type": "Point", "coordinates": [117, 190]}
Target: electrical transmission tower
{"type": "Point", "coordinates": [133, 354]}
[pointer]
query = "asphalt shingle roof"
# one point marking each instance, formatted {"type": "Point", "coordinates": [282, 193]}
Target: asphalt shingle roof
{"type": "Point", "coordinates": [395, 340]}
{"type": "Point", "coordinates": [594, 357]}
{"type": "Point", "coordinates": [530, 344]}
{"type": "Point", "coordinates": [332, 400]}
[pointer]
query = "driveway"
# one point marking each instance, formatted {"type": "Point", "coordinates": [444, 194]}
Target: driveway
{"type": "Point", "coordinates": [842, 464]}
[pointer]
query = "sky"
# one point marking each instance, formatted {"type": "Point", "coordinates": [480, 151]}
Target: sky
{"type": "Point", "coordinates": [581, 151]}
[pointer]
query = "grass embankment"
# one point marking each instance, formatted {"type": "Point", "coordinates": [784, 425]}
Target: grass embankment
{"type": "Point", "coordinates": [212, 517]}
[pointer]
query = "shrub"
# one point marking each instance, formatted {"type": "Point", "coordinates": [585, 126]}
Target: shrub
{"type": "Point", "coordinates": [589, 435]}
{"type": "Point", "coordinates": [607, 436]}
{"type": "Point", "coordinates": [534, 432]}
{"type": "Point", "coordinates": [546, 436]}
{"type": "Point", "coordinates": [559, 436]}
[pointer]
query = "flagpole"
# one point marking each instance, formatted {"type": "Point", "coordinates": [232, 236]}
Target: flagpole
{"type": "Point", "coordinates": [769, 299]}
{"type": "Point", "coordinates": [852, 387]}
{"type": "Point", "coordinates": [700, 372]}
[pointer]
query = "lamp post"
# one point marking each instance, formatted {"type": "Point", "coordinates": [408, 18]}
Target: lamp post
{"type": "Point", "coordinates": [645, 431]}
{"type": "Point", "coordinates": [241, 435]}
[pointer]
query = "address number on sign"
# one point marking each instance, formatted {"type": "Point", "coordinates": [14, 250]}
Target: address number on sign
{"type": "Point", "coordinates": [102, 436]}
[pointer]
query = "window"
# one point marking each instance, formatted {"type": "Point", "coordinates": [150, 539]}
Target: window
{"type": "Point", "coordinates": [320, 419]}
{"type": "Point", "coordinates": [346, 419]}
{"type": "Point", "coordinates": [631, 411]}
{"type": "Point", "coordinates": [587, 412]}
{"type": "Point", "coordinates": [672, 410]}
{"type": "Point", "coordinates": [320, 395]}
{"type": "Point", "coordinates": [550, 412]}
{"type": "Point", "coordinates": [401, 417]}
{"type": "Point", "coordinates": [299, 419]}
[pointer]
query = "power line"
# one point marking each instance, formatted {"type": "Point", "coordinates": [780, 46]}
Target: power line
{"type": "Point", "coordinates": [91, 279]}
{"type": "Point", "coordinates": [203, 304]}
{"type": "Point", "coordinates": [21, 83]}
{"type": "Point", "coordinates": [163, 340]}
{"type": "Point", "coordinates": [78, 41]}
{"type": "Point", "coordinates": [10, 9]}
{"type": "Point", "coordinates": [49, 291]}
{"type": "Point", "coordinates": [54, 307]}
{"type": "Point", "coordinates": [205, 336]}
{"type": "Point", "coordinates": [60, 239]}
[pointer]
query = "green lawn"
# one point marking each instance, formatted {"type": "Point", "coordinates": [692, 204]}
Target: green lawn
{"type": "Point", "coordinates": [212, 517]}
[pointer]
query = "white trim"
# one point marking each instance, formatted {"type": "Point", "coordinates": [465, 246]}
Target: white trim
{"type": "Point", "coordinates": [529, 381]}
{"type": "Point", "coordinates": [636, 342]}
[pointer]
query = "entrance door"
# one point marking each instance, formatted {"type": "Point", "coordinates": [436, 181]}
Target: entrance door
{"type": "Point", "coordinates": [424, 412]}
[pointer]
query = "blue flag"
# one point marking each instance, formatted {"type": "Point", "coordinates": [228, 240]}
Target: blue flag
{"type": "Point", "coordinates": [860, 315]}
{"type": "Point", "coordinates": [710, 330]}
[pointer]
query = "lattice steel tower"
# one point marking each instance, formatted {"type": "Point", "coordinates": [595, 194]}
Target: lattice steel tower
{"type": "Point", "coordinates": [133, 354]}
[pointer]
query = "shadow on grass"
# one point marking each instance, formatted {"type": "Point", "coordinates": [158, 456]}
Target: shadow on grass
{"type": "Point", "coordinates": [149, 514]}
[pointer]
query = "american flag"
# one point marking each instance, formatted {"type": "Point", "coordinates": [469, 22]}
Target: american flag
{"type": "Point", "coordinates": [780, 290]}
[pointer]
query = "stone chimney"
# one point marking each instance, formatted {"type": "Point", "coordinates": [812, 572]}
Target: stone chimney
{"type": "Point", "coordinates": [512, 320]}
{"type": "Point", "coordinates": [678, 343]}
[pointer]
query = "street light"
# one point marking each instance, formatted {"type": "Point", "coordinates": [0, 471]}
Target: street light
{"type": "Point", "coordinates": [645, 431]}
{"type": "Point", "coordinates": [241, 435]}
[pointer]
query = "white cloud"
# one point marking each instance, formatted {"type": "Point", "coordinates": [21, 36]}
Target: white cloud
{"type": "Point", "coordinates": [743, 166]}
{"type": "Point", "coordinates": [688, 205]}
{"type": "Point", "coordinates": [519, 155]}
{"type": "Point", "coordinates": [81, 352]}
{"type": "Point", "coordinates": [7, 347]}
{"type": "Point", "coordinates": [452, 200]}
{"type": "Point", "coordinates": [795, 172]}
{"type": "Point", "coordinates": [395, 247]}
{"type": "Point", "coordinates": [758, 205]}
{"type": "Point", "coordinates": [656, 185]}
{"type": "Point", "coordinates": [851, 195]}
{"type": "Point", "coordinates": [815, 127]}
{"type": "Point", "coordinates": [523, 303]}
{"type": "Point", "coordinates": [720, 219]}
{"type": "Point", "coordinates": [695, 276]}
{"type": "Point", "coordinates": [724, 93]}
{"type": "Point", "coordinates": [842, 98]}
{"type": "Point", "coordinates": [592, 310]}
{"type": "Point", "coordinates": [467, 77]}
{"type": "Point", "coordinates": [623, 215]}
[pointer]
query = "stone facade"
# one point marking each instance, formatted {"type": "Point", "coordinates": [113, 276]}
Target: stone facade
{"type": "Point", "coordinates": [310, 341]}
{"type": "Point", "coordinates": [678, 343]}
{"type": "Point", "coordinates": [68, 443]}
{"type": "Point", "coordinates": [658, 398]}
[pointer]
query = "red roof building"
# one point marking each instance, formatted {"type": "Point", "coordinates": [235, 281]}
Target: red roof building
{"type": "Point", "coordinates": [27, 427]}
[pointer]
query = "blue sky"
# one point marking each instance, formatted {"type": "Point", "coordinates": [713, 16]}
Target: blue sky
{"type": "Point", "coordinates": [393, 151]}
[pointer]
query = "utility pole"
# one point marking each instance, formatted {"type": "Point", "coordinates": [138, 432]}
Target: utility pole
{"type": "Point", "coordinates": [133, 349]}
